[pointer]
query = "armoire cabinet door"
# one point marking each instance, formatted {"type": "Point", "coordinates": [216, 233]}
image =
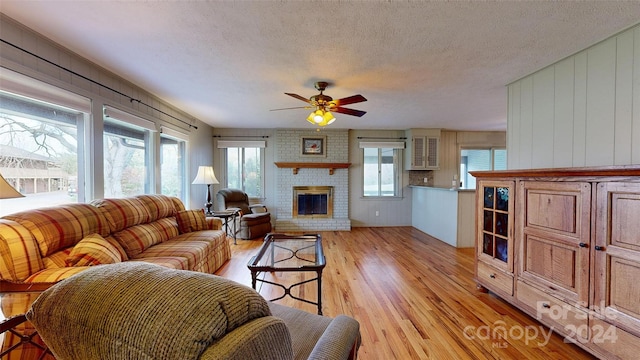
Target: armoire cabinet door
{"type": "Point", "coordinates": [554, 238]}
{"type": "Point", "coordinates": [617, 255]}
{"type": "Point", "coordinates": [495, 207]}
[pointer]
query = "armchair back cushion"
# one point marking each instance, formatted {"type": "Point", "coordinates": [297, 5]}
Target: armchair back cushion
{"type": "Point", "coordinates": [252, 224]}
{"type": "Point", "coordinates": [233, 198]}
{"type": "Point", "coordinates": [133, 310]}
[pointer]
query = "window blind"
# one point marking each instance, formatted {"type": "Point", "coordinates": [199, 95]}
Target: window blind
{"type": "Point", "coordinates": [111, 112]}
{"type": "Point", "coordinates": [22, 85]}
{"type": "Point", "coordinates": [382, 144]}
{"type": "Point", "coordinates": [223, 144]}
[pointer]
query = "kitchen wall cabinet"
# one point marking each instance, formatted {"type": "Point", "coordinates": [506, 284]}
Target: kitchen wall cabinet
{"type": "Point", "coordinates": [423, 147]}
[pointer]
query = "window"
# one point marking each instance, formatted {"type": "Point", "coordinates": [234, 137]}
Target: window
{"type": "Point", "coordinates": [127, 155]}
{"type": "Point", "coordinates": [41, 146]}
{"type": "Point", "coordinates": [477, 160]}
{"type": "Point", "coordinates": [244, 166]}
{"type": "Point", "coordinates": [243, 170]}
{"type": "Point", "coordinates": [172, 164]}
{"type": "Point", "coordinates": [381, 175]}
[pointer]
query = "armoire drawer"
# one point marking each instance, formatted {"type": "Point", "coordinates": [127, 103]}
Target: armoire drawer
{"type": "Point", "coordinates": [494, 279]}
{"type": "Point", "coordinates": [562, 317]}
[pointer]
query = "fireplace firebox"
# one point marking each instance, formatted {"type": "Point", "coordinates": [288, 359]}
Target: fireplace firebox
{"type": "Point", "coordinates": [313, 201]}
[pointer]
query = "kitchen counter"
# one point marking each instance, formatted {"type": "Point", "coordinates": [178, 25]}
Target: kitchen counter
{"type": "Point", "coordinates": [444, 213]}
{"type": "Point", "coordinates": [442, 188]}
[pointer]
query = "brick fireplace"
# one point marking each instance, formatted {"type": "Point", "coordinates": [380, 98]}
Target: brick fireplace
{"type": "Point", "coordinates": [337, 150]}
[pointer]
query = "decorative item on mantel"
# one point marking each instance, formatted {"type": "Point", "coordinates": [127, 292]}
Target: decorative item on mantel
{"type": "Point", "coordinates": [206, 176]}
{"type": "Point", "coordinates": [314, 146]}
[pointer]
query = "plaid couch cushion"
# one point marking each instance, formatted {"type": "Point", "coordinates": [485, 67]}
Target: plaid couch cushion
{"type": "Point", "coordinates": [171, 262]}
{"type": "Point", "coordinates": [177, 204]}
{"type": "Point", "coordinates": [167, 228]}
{"type": "Point", "coordinates": [191, 220]}
{"type": "Point", "coordinates": [159, 206]}
{"type": "Point", "coordinates": [54, 275]}
{"type": "Point", "coordinates": [59, 227]}
{"type": "Point", "coordinates": [194, 251]}
{"type": "Point", "coordinates": [93, 250]}
{"type": "Point", "coordinates": [123, 213]}
{"type": "Point", "coordinates": [18, 252]}
{"type": "Point", "coordinates": [57, 259]}
{"type": "Point", "coordinates": [136, 239]}
{"type": "Point", "coordinates": [116, 244]}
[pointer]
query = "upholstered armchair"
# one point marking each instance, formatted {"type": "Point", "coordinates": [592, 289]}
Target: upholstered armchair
{"type": "Point", "coordinates": [254, 220]}
{"type": "Point", "coordinates": [135, 310]}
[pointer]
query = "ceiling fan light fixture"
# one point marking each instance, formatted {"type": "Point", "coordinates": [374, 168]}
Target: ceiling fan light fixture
{"type": "Point", "coordinates": [321, 116]}
{"type": "Point", "coordinates": [327, 119]}
{"type": "Point", "coordinates": [310, 118]}
{"type": "Point", "coordinates": [316, 117]}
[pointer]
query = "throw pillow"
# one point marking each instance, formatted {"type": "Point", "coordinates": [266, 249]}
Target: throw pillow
{"type": "Point", "coordinates": [93, 250]}
{"type": "Point", "coordinates": [191, 220]}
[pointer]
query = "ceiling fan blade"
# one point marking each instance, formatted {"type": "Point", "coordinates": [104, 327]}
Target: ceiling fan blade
{"type": "Point", "coordinates": [350, 100]}
{"type": "Point", "coordinates": [348, 111]}
{"type": "Point", "coordinates": [299, 97]}
{"type": "Point", "coordinates": [291, 108]}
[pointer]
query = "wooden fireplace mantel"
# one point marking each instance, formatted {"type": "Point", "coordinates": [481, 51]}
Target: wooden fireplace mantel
{"type": "Point", "coordinates": [314, 165]}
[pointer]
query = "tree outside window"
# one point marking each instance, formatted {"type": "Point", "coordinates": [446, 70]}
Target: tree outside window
{"type": "Point", "coordinates": [172, 166]}
{"type": "Point", "coordinates": [244, 170]}
{"type": "Point", "coordinates": [125, 160]}
{"type": "Point", "coordinates": [39, 152]}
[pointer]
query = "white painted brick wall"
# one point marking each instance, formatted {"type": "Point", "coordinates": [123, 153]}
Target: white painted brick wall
{"type": "Point", "coordinates": [289, 150]}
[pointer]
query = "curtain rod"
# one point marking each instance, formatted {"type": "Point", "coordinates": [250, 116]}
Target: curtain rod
{"type": "Point", "coordinates": [383, 138]}
{"type": "Point", "coordinates": [241, 136]}
{"type": "Point", "coordinates": [99, 84]}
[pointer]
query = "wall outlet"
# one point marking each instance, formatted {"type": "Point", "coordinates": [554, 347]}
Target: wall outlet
{"type": "Point", "coordinates": [377, 213]}
{"type": "Point", "coordinates": [426, 180]}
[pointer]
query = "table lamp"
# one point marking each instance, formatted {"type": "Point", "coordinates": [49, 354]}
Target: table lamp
{"type": "Point", "coordinates": [206, 176]}
{"type": "Point", "coordinates": [7, 191]}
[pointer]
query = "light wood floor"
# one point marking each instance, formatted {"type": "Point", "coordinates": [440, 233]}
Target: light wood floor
{"type": "Point", "coordinates": [414, 297]}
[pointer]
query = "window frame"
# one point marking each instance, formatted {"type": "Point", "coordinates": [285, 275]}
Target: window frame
{"type": "Point", "coordinates": [464, 174]}
{"type": "Point", "coordinates": [225, 145]}
{"type": "Point", "coordinates": [183, 145]}
{"type": "Point", "coordinates": [29, 90]}
{"type": "Point", "coordinates": [397, 148]}
{"type": "Point", "coordinates": [127, 122]}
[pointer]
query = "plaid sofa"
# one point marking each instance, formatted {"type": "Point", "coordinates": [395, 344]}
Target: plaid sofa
{"type": "Point", "coordinates": [47, 245]}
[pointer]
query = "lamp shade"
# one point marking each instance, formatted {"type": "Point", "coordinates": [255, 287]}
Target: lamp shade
{"type": "Point", "coordinates": [7, 191]}
{"type": "Point", "coordinates": [205, 176]}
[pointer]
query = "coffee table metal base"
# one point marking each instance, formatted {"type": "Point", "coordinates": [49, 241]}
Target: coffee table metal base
{"type": "Point", "coordinates": [287, 290]}
{"type": "Point", "coordinates": [290, 253]}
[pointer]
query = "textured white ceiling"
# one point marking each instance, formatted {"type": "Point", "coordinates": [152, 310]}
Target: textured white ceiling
{"type": "Point", "coordinates": [420, 64]}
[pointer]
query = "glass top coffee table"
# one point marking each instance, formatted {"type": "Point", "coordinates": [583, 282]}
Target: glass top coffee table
{"type": "Point", "coordinates": [18, 338]}
{"type": "Point", "coordinates": [289, 253]}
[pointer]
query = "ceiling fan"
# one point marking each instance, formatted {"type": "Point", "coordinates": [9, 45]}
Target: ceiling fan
{"type": "Point", "coordinates": [324, 104]}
